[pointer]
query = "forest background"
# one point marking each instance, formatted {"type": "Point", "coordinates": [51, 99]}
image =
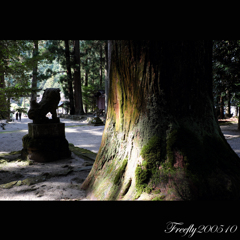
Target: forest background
{"type": "Point", "coordinates": [80, 68]}
{"type": "Point", "coordinates": [27, 67]}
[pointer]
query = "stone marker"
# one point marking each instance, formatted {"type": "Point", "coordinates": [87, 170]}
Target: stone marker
{"type": "Point", "coordinates": [45, 141]}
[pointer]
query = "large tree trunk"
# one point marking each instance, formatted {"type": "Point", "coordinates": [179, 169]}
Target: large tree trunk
{"type": "Point", "coordinates": [229, 104]}
{"type": "Point", "coordinates": [86, 80]}
{"type": "Point", "coordinates": [100, 87]}
{"type": "Point", "coordinates": [107, 71]}
{"type": "Point", "coordinates": [4, 98]}
{"type": "Point", "coordinates": [35, 69]}
{"type": "Point", "coordinates": [221, 107]}
{"type": "Point", "coordinates": [77, 80]}
{"type": "Point", "coordinates": [238, 116]}
{"type": "Point", "coordinates": [3, 101]}
{"type": "Point", "coordinates": [161, 138]}
{"type": "Point", "coordinates": [69, 77]}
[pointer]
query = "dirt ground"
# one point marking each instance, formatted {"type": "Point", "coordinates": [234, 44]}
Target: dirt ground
{"type": "Point", "coordinates": [232, 135]}
{"type": "Point", "coordinates": [58, 180]}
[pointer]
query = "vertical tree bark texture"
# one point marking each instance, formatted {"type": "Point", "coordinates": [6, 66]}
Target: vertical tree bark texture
{"type": "Point", "coordinates": [221, 107]}
{"type": "Point", "coordinates": [238, 121]}
{"type": "Point", "coordinates": [106, 75]}
{"type": "Point", "coordinates": [34, 79]}
{"type": "Point", "coordinates": [77, 80]}
{"type": "Point", "coordinates": [100, 67]}
{"type": "Point", "coordinates": [3, 101]}
{"type": "Point", "coordinates": [162, 139]}
{"type": "Point", "coordinates": [69, 76]}
{"type": "Point", "coordinates": [229, 104]}
{"type": "Point", "coordinates": [86, 80]}
{"type": "Point", "coordinates": [109, 52]}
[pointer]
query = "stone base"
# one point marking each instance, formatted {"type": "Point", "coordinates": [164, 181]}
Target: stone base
{"type": "Point", "coordinates": [51, 130]}
{"type": "Point", "coordinates": [45, 143]}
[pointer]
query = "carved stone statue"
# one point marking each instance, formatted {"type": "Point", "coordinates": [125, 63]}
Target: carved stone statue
{"type": "Point", "coordinates": [49, 103]}
{"type": "Point", "coordinates": [45, 141]}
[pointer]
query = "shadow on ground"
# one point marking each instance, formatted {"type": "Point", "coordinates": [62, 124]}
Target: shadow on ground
{"type": "Point", "coordinates": [58, 180]}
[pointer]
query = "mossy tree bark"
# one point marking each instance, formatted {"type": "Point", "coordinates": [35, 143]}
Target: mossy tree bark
{"type": "Point", "coordinates": [161, 138]}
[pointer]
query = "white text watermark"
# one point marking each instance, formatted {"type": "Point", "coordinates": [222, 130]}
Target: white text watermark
{"type": "Point", "coordinates": [189, 231]}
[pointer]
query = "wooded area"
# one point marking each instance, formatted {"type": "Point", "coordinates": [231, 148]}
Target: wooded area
{"type": "Point", "coordinates": [226, 76]}
{"type": "Point", "coordinates": [77, 67]}
{"type": "Point", "coordinates": [164, 100]}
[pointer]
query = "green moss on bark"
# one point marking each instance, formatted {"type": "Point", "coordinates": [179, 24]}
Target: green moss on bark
{"type": "Point", "coordinates": [207, 174]}
{"type": "Point", "coordinates": [161, 198]}
{"type": "Point", "coordinates": [120, 172]}
{"type": "Point", "coordinates": [173, 102]}
{"type": "Point", "coordinates": [194, 167]}
{"type": "Point", "coordinates": [151, 160]}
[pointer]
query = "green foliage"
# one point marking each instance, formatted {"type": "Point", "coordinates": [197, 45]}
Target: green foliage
{"type": "Point", "coordinates": [14, 92]}
{"type": "Point", "coordinates": [22, 110]}
{"type": "Point", "coordinates": [92, 60]}
{"type": "Point", "coordinates": [17, 62]}
{"type": "Point", "coordinates": [226, 71]}
{"type": "Point", "coordinates": [16, 69]}
{"type": "Point", "coordinates": [88, 96]}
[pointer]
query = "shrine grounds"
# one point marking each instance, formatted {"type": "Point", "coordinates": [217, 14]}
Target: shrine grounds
{"type": "Point", "coordinates": [77, 132]}
{"type": "Point", "coordinates": [58, 180]}
{"type": "Point", "coordinates": [62, 179]}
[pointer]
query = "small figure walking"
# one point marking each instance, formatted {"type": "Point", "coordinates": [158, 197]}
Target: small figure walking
{"type": "Point", "coordinates": [17, 116]}
{"type": "Point", "coordinates": [20, 114]}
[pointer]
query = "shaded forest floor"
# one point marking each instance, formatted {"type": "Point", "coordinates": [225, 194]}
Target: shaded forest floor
{"type": "Point", "coordinates": [28, 180]}
{"type": "Point", "coordinates": [62, 179]}
{"type": "Point", "coordinates": [58, 180]}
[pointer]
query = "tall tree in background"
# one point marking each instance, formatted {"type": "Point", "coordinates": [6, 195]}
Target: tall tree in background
{"type": "Point", "coordinates": [86, 79]}
{"type": "Point", "coordinates": [226, 74]}
{"type": "Point", "coordinates": [35, 68]}
{"type": "Point", "coordinates": [161, 135]}
{"type": "Point", "coordinates": [69, 77]}
{"type": "Point", "coordinates": [101, 66]}
{"type": "Point", "coordinates": [108, 49]}
{"type": "Point", "coordinates": [3, 100]}
{"type": "Point", "coordinates": [92, 62]}
{"type": "Point", "coordinates": [77, 80]}
{"type": "Point", "coordinates": [16, 66]}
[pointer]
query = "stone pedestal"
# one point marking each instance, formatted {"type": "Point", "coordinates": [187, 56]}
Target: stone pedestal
{"type": "Point", "coordinates": [45, 142]}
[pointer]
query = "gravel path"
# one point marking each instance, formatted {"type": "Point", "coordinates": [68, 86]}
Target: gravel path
{"type": "Point", "coordinates": [85, 136]}
{"type": "Point", "coordinates": [232, 134]}
{"type": "Point", "coordinates": [77, 132]}
{"type": "Point", "coordinates": [59, 180]}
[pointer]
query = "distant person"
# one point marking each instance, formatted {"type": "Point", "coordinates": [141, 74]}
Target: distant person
{"type": "Point", "coordinates": [20, 114]}
{"type": "Point", "coordinates": [17, 116]}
